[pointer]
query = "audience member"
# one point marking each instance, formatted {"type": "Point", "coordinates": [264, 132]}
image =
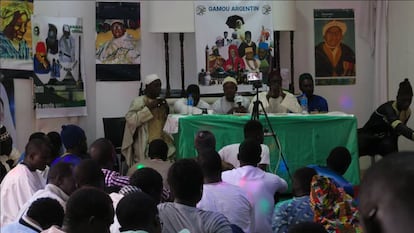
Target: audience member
{"type": "Point", "coordinates": [307, 227]}
{"type": "Point", "coordinates": [386, 195]}
{"type": "Point", "coordinates": [332, 207]}
{"type": "Point", "coordinates": [380, 134]}
{"type": "Point", "coordinates": [137, 212]}
{"type": "Point", "coordinates": [56, 140]}
{"type": "Point", "coordinates": [296, 210]}
{"type": "Point", "coordinates": [203, 140]}
{"type": "Point", "coordinates": [337, 163]}
{"type": "Point", "coordinates": [222, 197]}
{"type": "Point", "coordinates": [41, 215]}
{"type": "Point", "coordinates": [254, 130]}
{"type": "Point", "coordinates": [316, 103]}
{"type": "Point", "coordinates": [186, 181]}
{"type": "Point", "coordinates": [261, 187]}
{"type": "Point", "coordinates": [181, 107]}
{"type": "Point", "coordinates": [230, 103]}
{"type": "Point", "coordinates": [88, 210]}
{"type": "Point", "coordinates": [145, 121]}
{"type": "Point", "coordinates": [34, 135]}
{"type": "Point", "coordinates": [61, 184]}
{"type": "Point", "coordinates": [276, 100]}
{"type": "Point", "coordinates": [103, 152]}
{"type": "Point", "coordinates": [149, 181]}
{"type": "Point", "coordinates": [74, 140]}
{"type": "Point", "coordinates": [157, 152]}
{"type": "Point", "coordinates": [88, 174]}
{"type": "Point", "coordinates": [23, 180]}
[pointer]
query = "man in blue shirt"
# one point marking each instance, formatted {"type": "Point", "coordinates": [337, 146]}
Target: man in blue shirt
{"type": "Point", "coordinates": [316, 103]}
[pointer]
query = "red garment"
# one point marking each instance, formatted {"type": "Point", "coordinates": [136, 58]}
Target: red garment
{"type": "Point", "coordinates": [236, 63]}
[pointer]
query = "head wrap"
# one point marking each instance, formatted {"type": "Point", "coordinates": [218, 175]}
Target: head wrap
{"type": "Point", "coordinates": [150, 78]}
{"type": "Point", "coordinates": [405, 88]}
{"type": "Point", "coordinates": [334, 23]}
{"type": "Point", "coordinates": [112, 21]}
{"type": "Point", "coordinates": [229, 79]}
{"type": "Point", "coordinates": [41, 47]}
{"type": "Point", "coordinates": [7, 12]}
{"type": "Point", "coordinates": [72, 135]}
{"type": "Point", "coordinates": [66, 28]}
{"type": "Point", "coordinates": [263, 45]}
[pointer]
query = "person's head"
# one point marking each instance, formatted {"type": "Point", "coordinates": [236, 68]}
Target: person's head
{"type": "Point", "coordinates": [219, 41]}
{"type": "Point", "coordinates": [158, 149]}
{"type": "Point", "coordinates": [248, 36]}
{"type": "Point", "coordinates": [339, 160]}
{"type": "Point", "coordinates": [225, 34]}
{"type": "Point", "coordinates": [254, 129]}
{"type": "Point", "coordinates": [307, 227]}
{"type": "Point", "coordinates": [386, 195]}
{"type": "Point", "coordinates": [249, 152]}
{"type": "Point", "coordinates": [239, 23]}
{"type": "Point", "coordinates": [210, 163]}
{"type": "Point", "coordinates": [56, 142]}
{"type": "Point", "coordinates": [263, 50]}
{"type": "Point", "coordinates": [233, 51]}
{"type": "Point", "coordinates": [185, 178]}
{"type": "Point", "coordinates": [6, 142]}
{"type": "Point", "coordinates": [229, 88]}
{"type": "Point", "coordinates": [61, 175]}
{"type": "Point", "coordinates": [274, 83]}
{"type": "Point", "coordinates": [306, 84]}
{"type": "Point", "coordinates": [14, 19]}
{"type": "Point", "coordinates": [215, 50]}
{"type": "Point", "coordinates": [66, 30]}
{"type": "Point", "coordinates": [405, 95]}
{"type": "Point", "coordinates": [89, 210]}
{"type": "Point", "coordinates": [149, 181]}
{"type": "Point", "coordinates": [118, 28]}
{"type": "Point", "coordinates": [301, 183]}
{"type": "Point", "coordinates": [249, 53]}
{"type": "Point", "coordinates": [88, 174]}
{"type": "Point", "coordinates": [52, 33]}
{"type": "Point", "coordinates": [38, 154]}
{"type": "Point", "coordinates": [234, 35]}
{"type": "Point", "coordinates": [46, 212]}
{"type": "Point", "coordinates": [194, 90]}
{"type": "Point", "coordinates": [36, 30]}
{"type": "Point", "coordinates": [333, 33]}
{"type": "Point", "coordinates": [152, 86]}
{"type": "Point", "coordinates": [203, 140]}
{"type": "Point", "coordinates": [138, 211]}
{"type": "Point", "coordinates": [74, 139]}
{"type": "Point", "coordinates": [102, 151]}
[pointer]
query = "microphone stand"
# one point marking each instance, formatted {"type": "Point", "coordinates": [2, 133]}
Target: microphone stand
{"type": "Point", "coordinates": [255, 116]}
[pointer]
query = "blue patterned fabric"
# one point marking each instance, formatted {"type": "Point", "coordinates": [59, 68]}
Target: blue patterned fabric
{"type": "Point", "coordinates": [290, 212]}
{"type": "Point", "coordinates": [7, 50]}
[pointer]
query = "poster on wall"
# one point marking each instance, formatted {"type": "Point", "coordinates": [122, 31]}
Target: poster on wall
{"type": "Point", "coordinates": [15, 34]}
{"type": "Point", "coordinates": [335, 62]}
{"type": "Point", "coordinates": [118, 44]}
{"type": "Point", "coordinates": [7, 106]}
{"type": "Point", "coordinates": [233, 38]}
{"type": "Point", "coordinates": [58, 66]}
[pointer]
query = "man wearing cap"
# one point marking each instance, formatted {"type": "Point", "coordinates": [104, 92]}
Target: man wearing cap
{"type": "Point", "coordinates": [247, 43]}
{"type": "Point", "coordinates": [121, 49]}
{"type": "Point", "coordinates": [230, 103]}
{"type": "Point", "coordinates": [215, 60]}
{"type": "Point", "coordinates": [145, 121]}
{"type": "Point", "coordinates": [40, 63]}
{"type": "Point", "coordinates": [66, 46]}
{"type": "Point", "coordinates": [332, 57]}
{"type": "Point", "coordinates": [252, 64]}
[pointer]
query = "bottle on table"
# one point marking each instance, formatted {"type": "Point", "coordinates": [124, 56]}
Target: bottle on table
{"type": "Point", "coordinates": [190, 104]}
{"type": "Point", "coordinates": [304, 103]}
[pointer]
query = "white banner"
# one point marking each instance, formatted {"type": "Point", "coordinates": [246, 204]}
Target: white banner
{"type": "Point", "coordinates": [239, 28]}
{"type": "Point", "coordinates": [58, 81]}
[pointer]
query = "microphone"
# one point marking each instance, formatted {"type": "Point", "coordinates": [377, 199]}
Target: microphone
{"type": "Point", "coordinates": [238, 99]}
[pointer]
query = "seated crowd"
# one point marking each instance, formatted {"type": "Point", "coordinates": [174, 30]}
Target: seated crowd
{"type": "Point", "coordinates": [61, 185]}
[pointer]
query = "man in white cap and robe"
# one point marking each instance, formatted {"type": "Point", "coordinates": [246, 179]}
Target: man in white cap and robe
{"type": "Point", "coordinates": [332, 57]}
{"type": "Point", "coordinates": [145, 121]}
{"type": "Point", "coordinates": [230, 103]}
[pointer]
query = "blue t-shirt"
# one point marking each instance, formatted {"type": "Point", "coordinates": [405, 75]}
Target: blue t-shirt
{"type": "Point", "coordinates": [316, 103]}
{"type": "Point", "coordinates": [67, 158]}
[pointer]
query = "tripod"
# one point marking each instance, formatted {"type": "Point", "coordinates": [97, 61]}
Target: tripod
{"type": "Point", "coordinates": [255, 116]}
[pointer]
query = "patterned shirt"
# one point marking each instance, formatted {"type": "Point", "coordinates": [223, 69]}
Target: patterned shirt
{"type": "Point", "coordinates": [291, 212]}
{"type": "Point", "coordinates": [7, 50]}
{"type": "Point", "coordinates": [114, 179]}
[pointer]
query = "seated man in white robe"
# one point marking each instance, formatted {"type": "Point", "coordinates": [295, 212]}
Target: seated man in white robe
{"type": "Point", "coordinates": [181, 105]}
{"type": "Point", "coordinates": [23, 181]}
{"type": "Point", "coordinates": [276, 100]}
{"type": "Point", "coordinates": [230, 103]}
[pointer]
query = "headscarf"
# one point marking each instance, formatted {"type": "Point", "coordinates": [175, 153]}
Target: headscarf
{"type": "Point", "coordinates": [405, 88]}
{"type": "Point", "coordinates": [7, 12]}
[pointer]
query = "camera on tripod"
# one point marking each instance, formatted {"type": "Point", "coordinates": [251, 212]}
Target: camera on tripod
{"type": "Point", "coordinates": [255, 78]}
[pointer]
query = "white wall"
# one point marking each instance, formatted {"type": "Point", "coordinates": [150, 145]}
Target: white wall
{"type": "Point", "coordinates": [401, 54]}
{"type": "Point", "coordinates": [113, 98]}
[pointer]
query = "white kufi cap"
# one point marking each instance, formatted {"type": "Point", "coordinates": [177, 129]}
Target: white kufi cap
{"type": "Point", "coordinates": [150, 78]}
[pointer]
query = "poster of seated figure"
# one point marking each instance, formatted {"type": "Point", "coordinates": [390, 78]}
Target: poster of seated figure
{"type": "Point", "coordinates": [233, 38]}
{"type": "Point", "coordinates": [58, 66]}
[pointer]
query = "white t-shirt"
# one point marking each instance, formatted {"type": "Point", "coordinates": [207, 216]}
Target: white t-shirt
{"type": "Point", "coordinates": [260, 188]}
{"type": "Point", "coordinates": [222, 106]}
{"type": "Point", "coordinates": [229, 200]}
{"type": "Point", "coordinates": [178, 217]}
{"type": "Point", "coordinates": [229, 154]}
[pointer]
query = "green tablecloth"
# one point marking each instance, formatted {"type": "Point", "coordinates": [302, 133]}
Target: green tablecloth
{"type": "Point", "coordinates": [304, 139]}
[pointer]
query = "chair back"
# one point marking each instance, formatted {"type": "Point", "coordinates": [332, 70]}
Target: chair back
{"type": "Point", "coordinates": [114, 131]}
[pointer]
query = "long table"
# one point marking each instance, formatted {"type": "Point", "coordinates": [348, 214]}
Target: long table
{"type": "Point", "coordinates": [304, 139]}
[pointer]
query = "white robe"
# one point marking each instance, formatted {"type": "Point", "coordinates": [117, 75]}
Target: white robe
{"type": "Point", "coordinates": [16, 189]}
{"type": "Point", "coordinates": [277, 105]}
